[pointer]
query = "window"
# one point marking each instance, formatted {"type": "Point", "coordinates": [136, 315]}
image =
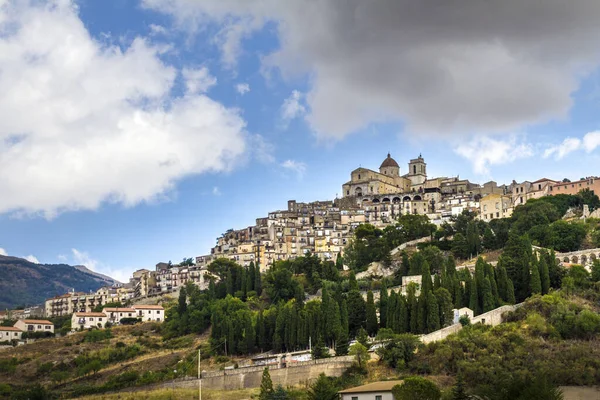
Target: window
{"type": "Point", "coordinates": [347, 192]}
{"type": "Point", "coordinates": [354, 397]}
{"type": "Point", "coordinates": [99, 319]}
{"type": "Point", "coordinates": [358, 176]}
{"type": "Point", "coordinates": [39, 327]}
{"type": "Point", "coordinates": [47, 326]}
{"type": "Point", "coordinates": [497, 215]}
{"type": "Point", "coordinates": [91, 318]}
{"type": "Point", "coordinates": [377, 397]}
{"type": "Point", "coordinates": [485, 207]}
{"type": "Point", "coordinates": [157, 311]}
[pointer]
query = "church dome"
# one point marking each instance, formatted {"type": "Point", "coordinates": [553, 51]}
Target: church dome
{"type": "Point", "coordinates": [389, 162]}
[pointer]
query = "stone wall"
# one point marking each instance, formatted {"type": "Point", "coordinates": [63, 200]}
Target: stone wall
{"type": "Point", "coordinates": [493, 318]}
{"type": "Point", "coordinates": [250, 377]}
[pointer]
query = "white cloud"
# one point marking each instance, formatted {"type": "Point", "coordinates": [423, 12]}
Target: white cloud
{"type": "Point", "coordinates": [85, 259]}
{"type": "Point", "coordinates": [299, 168]}
{"type": "Point", "coordinates": [484, 152]}
{"type": "Point", "coordinates": [157, 30]}
{"type": "Point", "coordinates": [83, 123]}
{"type": "Point", "coordinates": [32, 259]}
{"type": "Point", "coordinates": [242, 88]}
{"type": "Point", "coordinates": [262, 149]}
{"type": "Point", "coordinates": [3, 252]}
{"type": "Point", "coordinates": [453, 69]}
{"type": "Point", "coordinates": [292, 106]}
{"type": "Point", "coordinates": [198, 80]}
{"type": "Point", "coordinates": [62, 258]}
{"type": "Point", "coordinates": [216, 191]}
{"type": "Point", "coordinates": [589, 143]}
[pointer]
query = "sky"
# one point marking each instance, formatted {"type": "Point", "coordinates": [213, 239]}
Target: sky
{"type": "Point", "coordinates": [138, 131]}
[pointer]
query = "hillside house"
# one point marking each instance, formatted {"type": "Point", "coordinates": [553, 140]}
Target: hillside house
{"type": "Point", "coordinates": [87, 320]}
{"type": "Point", "coordinates": [372, 391]}
{"type": "Point", "coordinates": [8, 333]}
{"type": "Point", "coordinates": [116, 314]}
{"type": "Point", "coordinates": [35, 325]}
{"type": "Point", "coordinates": [150, 312]}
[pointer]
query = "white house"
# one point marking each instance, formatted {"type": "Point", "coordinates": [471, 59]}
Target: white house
{"type": "Point", "coordinates": [372, 391]}
{"type": "Point", "coordinates": [116, 314]}
{"type": "Point", "coordinates": [87, 320]}
{"type": "Point", "coordinates": [8, 333]}
{"type": "Point", "coordinates": [462, 312]}
{"type": "Point", "coordinates": [34, 325]}
{"type": "Point", "coordinates": [150, 312]}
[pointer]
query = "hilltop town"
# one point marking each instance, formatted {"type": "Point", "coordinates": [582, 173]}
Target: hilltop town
{"type": "Point", "coordinates": [325, 228]}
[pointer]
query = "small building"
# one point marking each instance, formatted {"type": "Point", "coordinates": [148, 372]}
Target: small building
{"type": "Point", "coordinates": [116, 314]}
{"type": "Point", "coordinates": [461, 312]}
{"type": "Point", "coordinates": [35, 325]}
{"type": "Point", "coordinates": [372, 391]}
{"type": "Point", "coordinates": [150, 312]}
{"type": "Point", "coordinates": [87, 320]}
{"type": "Point", "coordinates": [8, 333]}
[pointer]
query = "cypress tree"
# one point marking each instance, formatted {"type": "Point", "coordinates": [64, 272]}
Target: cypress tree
{"type": "Point", "coordinates": [391, 310]}
{"type": "Point", "coordinates": [257, 281]}
{"type": "Point", "coordinates": [459, 391]}
{"type": "Point", "coordinates": [414, 315]}
{"type": "Point", "coordinates": [353, 284]}
{"type": "Point", "coordinates": [544, 275]}
{"type": "Point", "coordinates": [444, 300]}
{"type": "Point", "coordinates": [457, 293]}
{"type": "Point", "coordinates": [489, 239]}
{"type": "Point", "coordinates": [341, 344]}
{"type": "Point", "coordinates": [371, 311]}
{"type": "Point", "coordinates": [417, 262]}
{"type": "Point", "coordinates": [474, 297]}
{"type": "Point", "coordinates": [356, 312]}
{"type": "Point", "coordinates": [251, 276]}
{"type": "Point", "coordinates": [266, 385]}
{"type": "Point", "coordinates": [344, 316]}
{"type": "Point", "coordinates": [433, 314]}
{"type": "Point", "coordinates": [244, 282]}
{"type": "Point", "coordinates": [510, 293]}
{"type": "Point", "coordinates": [261, 338]}
{"type": "Point", "coordinates": [488, 298]}
{"type": "Point", "coordinates": [383, 305]}
{"type": "Point", "coordinates": [402, 312]}
{"type": "Point", "coordinates": [502, 281]}
{"type": "Point", "coordinates": [229, 282]}
{"type": "Point", "coordinates": [535, 284]}
{"type": "Point", "coordinates": [437, 282]}
{"type": "Point", "coordinates": [249, 335]}
{"type": "Point", "coordinates": [404, 267]}
{"type": "Point", "coordinates": [339, 262]}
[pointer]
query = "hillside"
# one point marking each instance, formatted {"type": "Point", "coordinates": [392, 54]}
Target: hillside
{"type": "Point", "coordinates": [26, 283]}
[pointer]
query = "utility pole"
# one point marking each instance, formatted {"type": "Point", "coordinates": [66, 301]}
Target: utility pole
{"type": "Point", "coordinates": [199, 377]}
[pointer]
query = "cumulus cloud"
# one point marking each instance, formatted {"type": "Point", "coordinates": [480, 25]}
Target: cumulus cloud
{"type": "Point", "coordinates": [299, 168]}
{"type": "Point", "coordinates": [589, 143]}
{"type": "Point", "coordinates": [444, 68]}
{"type": "Point", "coordinates": [32, 259]}
{"type": "Point", "coordinates": [198, 80]}
{"type": "Point", "coordinates": [292, 107]}
{"type": "Point", "coordinates": [3, 252]}
{"type": "Point", "coordinates": [157, 30]}
{"type": "Point", "coordinates": [484, 152]}
{"type": "Point", "coordinates": [242, 88]}
{"type": "Point", "coordinates": [83, 123]}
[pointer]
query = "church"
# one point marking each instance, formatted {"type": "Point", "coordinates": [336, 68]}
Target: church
{"type": "Point", "coordinates": [366, 182]}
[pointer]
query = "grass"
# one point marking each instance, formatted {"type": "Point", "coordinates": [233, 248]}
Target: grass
{"type": "Point", "coordinates": [179, 394]}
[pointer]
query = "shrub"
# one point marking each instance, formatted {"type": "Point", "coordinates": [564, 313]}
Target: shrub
{"type": "Point", "coordinates": [9, 365]}
{"type": "Point", "coordinates": [416, 388]}
{"type": "Point", "coordinates": [96, 335]}
{"type": "Point", "coordinates": [44, 368]}
{"type": "Point", "coordinates": [130, 321]}
{"type": "Point", "coordinates": [37, 335]}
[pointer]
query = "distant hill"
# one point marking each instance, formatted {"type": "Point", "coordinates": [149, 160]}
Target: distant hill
{"type": "Point", "coordinates": [23, 283]}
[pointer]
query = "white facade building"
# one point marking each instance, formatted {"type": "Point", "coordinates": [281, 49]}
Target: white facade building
{"type": "Point", "coordinates": [35, 325]}
{"type": "Point", "coordinates": [87, 320]}
{"type": "Point", "coordinates": [8, 333]}
{"type": "Point", "coordinates": [150, 312]}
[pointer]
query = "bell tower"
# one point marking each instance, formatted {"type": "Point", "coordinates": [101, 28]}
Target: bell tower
{"type": "Point", "coordinates": [417, 171]}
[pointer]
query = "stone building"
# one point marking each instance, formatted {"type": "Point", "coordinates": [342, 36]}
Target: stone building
{"type": "Point", "coordinates": [494, 206]}
{"type": "Point", "coordinates": [592, 183]}
{"type": "Point", "coordinates": [72, 302]}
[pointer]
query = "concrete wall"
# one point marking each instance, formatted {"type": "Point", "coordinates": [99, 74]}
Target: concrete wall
{"type": "Point", "coordinates": [250, 377]}
{"type": "Point", "coordinates": [493, 318]}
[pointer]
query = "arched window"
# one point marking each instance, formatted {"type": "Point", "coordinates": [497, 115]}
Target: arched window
{"type": "Point", "coordinates": [414, 169]}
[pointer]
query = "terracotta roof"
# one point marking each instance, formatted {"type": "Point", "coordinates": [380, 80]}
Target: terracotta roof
{"type": "Point", "coordinates": [384, 386]}
{"type": "Point", "coordinates": [37, 321]}
{"type": "Point", "coordinates": [118, 309]}
{"type": "Point", "coordinates": [544, 180]}
{"type": "Point", "coordinates": [90, 314]}
{"type": "Point", "coordinates": [148, 307]}
{"type": "Point", "coordinates": [9, 328]}
{"type": "Point", "coordinates": [389, 162]}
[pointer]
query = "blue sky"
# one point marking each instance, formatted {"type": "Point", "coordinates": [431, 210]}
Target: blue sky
{"type": "Point", "coordinates": [135, 132]}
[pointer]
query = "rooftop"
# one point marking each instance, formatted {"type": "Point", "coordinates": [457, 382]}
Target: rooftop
{"type": "Point", "coordinates": [389, 162]}
{"type": "Point", "coordinates": [37, 321]}
{"type": "Point", "coordinates": [147, 307]}
{"type": "Point", "coordinates": [9, 328]}
{"type": "Point", "coordinates": [90, 314]}
{"type": "Point", "coordinates": [384, 386]}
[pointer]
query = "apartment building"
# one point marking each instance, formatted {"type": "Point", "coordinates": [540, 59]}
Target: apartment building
{"type": "Point", "coordinates": [34, 325]}
{"type": "Point", "coordinates": [72, 302]}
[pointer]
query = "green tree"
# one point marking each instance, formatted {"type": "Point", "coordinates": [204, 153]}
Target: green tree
{"type": "Point", "coordinates": [433, 313]}
{"type": "Point", "coordinates": [319, 350]}
{"type": "Point", "coordinates": [510, 293]}
{"type": "Point", "coordinates": [544, 274]}
{"type": "Point", "coordinates": [371, 315]}
{"type": "Point", "coordinates": [257, 281]}
{"type": "Point", "coordinates": [535, 282]}
{"type": "Point", "coordinates": [459, 391]}
{"type": "Point", "coordinates": [362, 337]}
{"type": "Point", "coordinates": [596, 271]}
{"type": "Point", "coordinates": [416, 388]}
{"type": "Point", "coordinates": [383, 305]}
{"type": "Point", "coordinates": [360, 353]}
{"type": "Point", "coordinates": [488, 299]}
{"type": "Point", "coordinates": [489, 239]}
{"type": "Point", "coordinates": [356, 312]}
{"type": "Point", "coordinates": [460, 246]}
{"type": "Point", "coordinates": [474, 297]}
{"type": "Point", "coordinates": [322, 389]}
{"type": "Point", "coordinates": [342, 344]}
{"type": "Point", "coordinates": [444, 300]}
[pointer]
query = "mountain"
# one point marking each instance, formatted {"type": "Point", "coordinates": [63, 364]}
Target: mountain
{"type": "Point", "coordinates": [23, 283]}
